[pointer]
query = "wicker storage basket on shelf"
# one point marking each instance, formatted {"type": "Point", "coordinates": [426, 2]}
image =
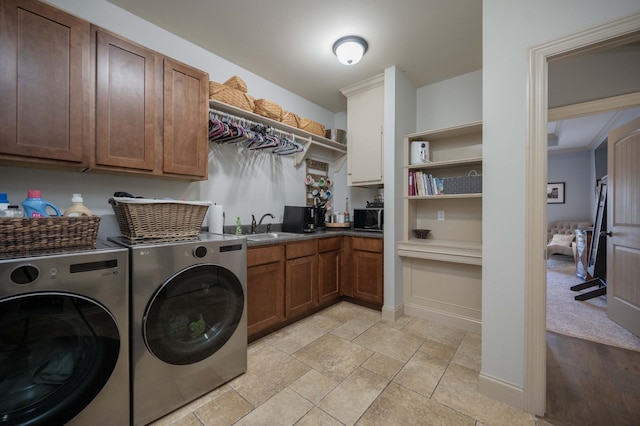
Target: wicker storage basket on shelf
{"type": "Point", "coordinates": [231, 96]}
{"type": "Point", "coordinates": [267, 108]}
{"type": "Point", "coordinates": [290, 118]}
{"type": "Point", "coordinates": [311, 126]}
{"type": "Point", "coordinates": [146, 220]}
{"type": "Point", "coordinates": [20, 235]}
{"type": "Point", "coordinates": [236, 83]}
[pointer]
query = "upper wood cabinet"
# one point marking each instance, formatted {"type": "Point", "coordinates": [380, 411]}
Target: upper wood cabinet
{"type": "Point", "coordinates": [150, 111]}
{"type": "Point", "coordinates": [365, 136]}
{"type": "Point", "coordinates": [127, 131]}
{"type": "Point", "coordinates": [77, 96]}
{"type": "Point", "coordinates": [44, 85]}
{"type": "Point", "coordinates": [186, 120]}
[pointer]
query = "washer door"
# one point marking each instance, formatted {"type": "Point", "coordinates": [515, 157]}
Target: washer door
{"type": "Point", "coordinates": [57, 351]}
{"type": "Point", "coordinates": [193, 314]}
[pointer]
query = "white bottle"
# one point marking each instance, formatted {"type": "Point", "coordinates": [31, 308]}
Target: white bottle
{"type": "Point", "coordinates": [77, 208]}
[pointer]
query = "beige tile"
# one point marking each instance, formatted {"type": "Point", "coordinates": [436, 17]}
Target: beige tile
{"type": "Point", "coordinates": [345, 311]}
{"type": "Point", "coordinates": [421, 374]}
{"type": "Point", "coordinates": [353, 328]}
{"type": "Point", "coordinates": [290, 339]}
{"type": "Point", "coordinates": [223, 410]}
{"type": "Point", "coordinates": [391, 342]}
{"type": "Point", "coordinates": [285, 408]}
{"type": "Point", "coordinates": [317, 417]}
{"type": "Point", "coordinates": [438, 350]}
{"type": "Point", "coordinates": [353, 396]}
{"type": "Point", "coordinates": [400, 406]}
{"type": "Point", "coordinates": [469, 353]}
{"type": "Point", "coordinates": [182, 413]}
{"type": "Point", "coordinates": [188, 419]}
{"type": "Point", "coordinates": [313, 386]}
{"type": "Point", "coordinates": [383, 365]}
{"type": "Point", "coordinates": [333, 356]}
{"type": "Point", "coordinates": [425, 329]}
{"type": "Point", "coordinates": [322, 321]}
{"type": "Point", "coordinates": [399, 323]}
{"type": "Point", "coordinates": [268, 372]}
{"type": "Point", "coordinates": [458, 389]}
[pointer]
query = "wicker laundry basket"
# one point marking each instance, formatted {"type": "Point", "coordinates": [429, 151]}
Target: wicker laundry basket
{"type": "Point", "coordinates": [147, 220]}
{"type": "Point", "coordinates": [311, 126]}
{"type": "Point", "coordinates": [290, 118]}
{"type": "Point", "coordinates": [267, 108]}
{"type": "Point", "coordinates": [236, 83]}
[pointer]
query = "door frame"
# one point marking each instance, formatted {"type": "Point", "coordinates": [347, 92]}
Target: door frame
{"type": "Point", "coordinates": [535, 385]}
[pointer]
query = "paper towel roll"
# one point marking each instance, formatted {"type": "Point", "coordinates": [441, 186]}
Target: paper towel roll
{"type": "Point", "coordinates": [216, 219]}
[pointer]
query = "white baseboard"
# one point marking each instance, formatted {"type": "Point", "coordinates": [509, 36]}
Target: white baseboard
{"type": "Point", "coordinates": [392, 314]}
{"type": "Point", "coordinates": [468, 324]}
{"type": "Point", "coordinates": [501, 390]}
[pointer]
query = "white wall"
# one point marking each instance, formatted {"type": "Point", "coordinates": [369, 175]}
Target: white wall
{"type": "Point", "coordinates": [245, 182]}
{"type": "Point", "coordinates": [575, 170]}
{"type": "Point", "coordinates": [450, 102]}
{"type": "Point", "coordinates": [509, 30]}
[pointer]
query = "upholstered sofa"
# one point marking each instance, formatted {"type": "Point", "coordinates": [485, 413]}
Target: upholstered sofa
{"type": "Point", "coordinates": [561, 236]}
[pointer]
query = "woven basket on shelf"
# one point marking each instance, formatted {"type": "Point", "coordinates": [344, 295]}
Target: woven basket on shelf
{"type": "Point", "coordinates": [230, 96]}
{"type": "Point", "coordinates": [146, 220]}
{"type": "Point", "coordinates": [267, 108]}
{"type": "Point", "coordinates": [20, 235]}
{"type": "Point", "coordinates": [289, 118]}
{"type": "Point", "coordinates": [236, 83]}
{"type": "Point", "coordinates": [311, 126]}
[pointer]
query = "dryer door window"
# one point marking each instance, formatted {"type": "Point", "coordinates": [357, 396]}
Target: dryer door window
{"type": "Point", "coordinates": [193, 314]}
{"type": "Point", "coordinates": [57, 351]}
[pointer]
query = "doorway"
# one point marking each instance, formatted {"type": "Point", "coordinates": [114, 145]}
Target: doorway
{"type": "Point", "coordinates": [611, 33]}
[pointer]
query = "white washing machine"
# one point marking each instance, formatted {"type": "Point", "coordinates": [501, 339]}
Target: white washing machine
{"type": "Point", "coordinates": [188, 320]}
{"type": "Point", "coordinates": [64, 338]}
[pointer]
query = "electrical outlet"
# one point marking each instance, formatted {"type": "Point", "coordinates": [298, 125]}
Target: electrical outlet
{"type": "Point", "coordinates": [440, 214]}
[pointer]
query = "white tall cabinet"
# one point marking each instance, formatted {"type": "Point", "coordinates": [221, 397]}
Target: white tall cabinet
{"type": "Point", "coordinates": [365, 117]}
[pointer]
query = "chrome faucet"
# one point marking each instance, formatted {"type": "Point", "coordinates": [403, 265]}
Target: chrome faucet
{"type": "Point", "coordinates": [254, 226]}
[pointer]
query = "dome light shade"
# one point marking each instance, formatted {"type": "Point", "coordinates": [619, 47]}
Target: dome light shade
{"type": "Point", "coordinates": [350, 49]}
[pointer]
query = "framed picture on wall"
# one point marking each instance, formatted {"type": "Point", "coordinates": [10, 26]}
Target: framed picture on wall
{"type": "Point", "coordinates": [555, 193]}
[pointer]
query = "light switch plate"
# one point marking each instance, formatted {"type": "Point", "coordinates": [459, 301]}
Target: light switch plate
{"type": "Point", "coordinates": [440, 214]}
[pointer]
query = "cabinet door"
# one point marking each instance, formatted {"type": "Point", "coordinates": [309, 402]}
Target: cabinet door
{"type": "Point", "coordinates": [365, 112]}
{"type": "Point", "coordinates": [265, 298]}
{"type": "Point", "coordinates": [301, 285]}
{"type": "Point", "coordinates": [125, 104]}
{"type": "Point", "coordinates": [367, 276]}
{"type": "Point", "coordinates": [186, 119]}
{"type": "Point", "coordinates": [44, 82]}
{"type": "Point", "coordinates": [328, 276]}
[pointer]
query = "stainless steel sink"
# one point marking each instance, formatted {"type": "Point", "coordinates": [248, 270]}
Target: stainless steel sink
{"type": "Point", "coordinates": [270, 236]}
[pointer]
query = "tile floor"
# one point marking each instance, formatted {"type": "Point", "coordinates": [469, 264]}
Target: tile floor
{"type": "Point", "coordinates": [345, 366]}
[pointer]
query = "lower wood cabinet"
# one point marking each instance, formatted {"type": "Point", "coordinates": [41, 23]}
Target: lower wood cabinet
{"type": "Point", "coordinates": [301, 278]}
{"type": "Point", "coordinates": [367, 261]}
{"type": "Point", "coordinates": [265, 288]}
{"type": "Point", "coordinates": [329, 265]}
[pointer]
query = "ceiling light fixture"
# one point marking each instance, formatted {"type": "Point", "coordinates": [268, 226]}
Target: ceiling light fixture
{"type": "Point", "coordinates": [350, 49]}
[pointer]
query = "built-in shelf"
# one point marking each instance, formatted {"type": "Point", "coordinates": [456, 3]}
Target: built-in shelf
{"type": "Point", "coordinates": [314, 144]}
{"type": "Point", "coordinates": [475, 161]}
{"type": "Point", "coordinates": [467, 252]}
{"type": "Point", "coordinates": [443, 196]}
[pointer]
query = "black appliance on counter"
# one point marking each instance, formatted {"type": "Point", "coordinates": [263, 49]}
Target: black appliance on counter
{"type": "Point", "coordinates": [303, 220]}
{"type": "Point", "coordinates": [369, 219]}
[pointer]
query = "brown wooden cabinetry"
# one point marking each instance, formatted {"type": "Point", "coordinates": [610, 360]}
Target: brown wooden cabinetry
{"type": "Point", "coordinates": [127, 134]}
{"type": "Point", "coordinates": [150, 111]}
{"type": "Point", "coordinates": [367, 269]}
{"type": "Point", "coordinates": [44, 85]}
{"type": "Point", "coordinates": [265, 288]}
{"type": "Point", "coordinates": [301, 278]}
{"type": "Point", "coordinates": [186, 120]}
{"type": "Point", "coordinates": [329, 265]}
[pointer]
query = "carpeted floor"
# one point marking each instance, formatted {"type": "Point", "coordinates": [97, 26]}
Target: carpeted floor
{"type": "Point", "coordinates": [583, 319]}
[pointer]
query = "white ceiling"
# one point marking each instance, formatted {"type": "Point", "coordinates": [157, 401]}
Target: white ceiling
{"type": "Point", "coordinates": [290, 44]}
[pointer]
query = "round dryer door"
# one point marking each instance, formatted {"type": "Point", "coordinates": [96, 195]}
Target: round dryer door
{"type": "Point", "coordinates": [57, 351]}
{"type": "Point", "coordinates": [193, 314]}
